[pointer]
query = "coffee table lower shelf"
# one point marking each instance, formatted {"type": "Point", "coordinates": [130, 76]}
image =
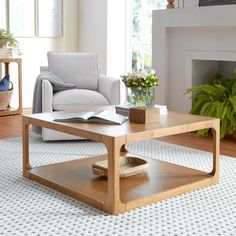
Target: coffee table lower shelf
{"type": "Point", "coordinates": [159, 181]}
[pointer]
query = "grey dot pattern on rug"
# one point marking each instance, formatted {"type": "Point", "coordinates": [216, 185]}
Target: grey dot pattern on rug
{"type": "Point", "coordinates": [28, 208]}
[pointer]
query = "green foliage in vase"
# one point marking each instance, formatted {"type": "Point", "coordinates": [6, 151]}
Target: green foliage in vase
{"type": "Point", "coordinates": [7, 37]}
{"type": "Point", "coordinates": [217, 99]}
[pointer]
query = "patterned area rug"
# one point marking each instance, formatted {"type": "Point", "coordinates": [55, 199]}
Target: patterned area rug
{"type": "Point", "coordinates": [27, 208]}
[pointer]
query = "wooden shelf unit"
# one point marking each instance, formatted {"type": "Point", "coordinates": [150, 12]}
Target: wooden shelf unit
{"type": "Point", "coordinates": [18, 61]}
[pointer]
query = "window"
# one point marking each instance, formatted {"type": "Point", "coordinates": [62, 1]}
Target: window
{"type": "Point", "coordinates": [142, 32]}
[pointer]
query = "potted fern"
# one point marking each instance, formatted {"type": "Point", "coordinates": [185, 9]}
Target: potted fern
{"type": "Point", "coordinates": [7, 39]}
{"type": "Point", "coordinates": [217, 99]}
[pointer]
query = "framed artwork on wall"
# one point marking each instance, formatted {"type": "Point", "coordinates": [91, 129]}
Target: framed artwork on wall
{"type": "Point", "coordinates": [215, 2]}
{"type": "Point", "coordinates": [3, 16]}
{"type": "Point", "coordinates": [22, 18]}
{"type": "Point", "coordinates": [50, 18]}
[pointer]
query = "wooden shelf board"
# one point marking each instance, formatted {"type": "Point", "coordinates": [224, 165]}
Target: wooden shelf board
{"type": "Point", "coordinates": [10, 111]}
{"type": "Point", "coordinates": [159, 181]}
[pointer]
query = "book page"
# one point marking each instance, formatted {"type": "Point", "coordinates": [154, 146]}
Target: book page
{"type": "Point", "coordinates": [74, 117]}
{"type": "Point", "coordinates": [106, 117]}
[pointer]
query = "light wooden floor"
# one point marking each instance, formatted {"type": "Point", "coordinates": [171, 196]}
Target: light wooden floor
{"type": "Point", "coordinates": [10, 126]}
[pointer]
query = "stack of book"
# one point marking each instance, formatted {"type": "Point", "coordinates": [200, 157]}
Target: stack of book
{"type": "Point", "coordinates": [124, 109]}
{"type": "Point", "coordinates": [5, 52]}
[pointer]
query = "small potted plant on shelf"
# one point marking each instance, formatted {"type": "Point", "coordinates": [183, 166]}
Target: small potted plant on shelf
{"type": "Point", "coordinates": [139, 85]}
{"type": "Point", "coordinates": [7, 40]}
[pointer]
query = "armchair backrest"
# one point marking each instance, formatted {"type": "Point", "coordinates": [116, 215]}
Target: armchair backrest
{"type": "Point", "coordinates": [75, 68]}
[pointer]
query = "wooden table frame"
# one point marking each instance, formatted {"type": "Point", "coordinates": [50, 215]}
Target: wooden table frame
{"type": "Point", "coordinates": [18, 61]}
{"type": "Point", "coordinates": [116, 195]}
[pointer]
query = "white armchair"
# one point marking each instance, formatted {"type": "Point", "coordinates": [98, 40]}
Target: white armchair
{"type": "Point", "coordinates": [80, 69]}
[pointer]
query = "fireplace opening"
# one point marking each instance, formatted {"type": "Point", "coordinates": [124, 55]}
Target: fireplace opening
{"type": "Point", "coordinates": [203, 70]}
{"type": "Point", "coordinates": [215, 98]}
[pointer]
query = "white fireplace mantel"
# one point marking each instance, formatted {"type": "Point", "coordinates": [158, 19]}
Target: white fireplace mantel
{"type": "Point", "coordinates": [179, 33]}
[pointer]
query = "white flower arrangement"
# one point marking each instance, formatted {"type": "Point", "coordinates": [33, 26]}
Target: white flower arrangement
{"type": "Point", "coordinates": [141, 79]}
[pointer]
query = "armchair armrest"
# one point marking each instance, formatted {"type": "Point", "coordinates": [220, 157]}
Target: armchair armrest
{"type": "Point", "coordinates": [47, 96]}
{"type": "Point", "coordinates": [44, 68]}
{"type": "Point", "coordinates": [110, 88]}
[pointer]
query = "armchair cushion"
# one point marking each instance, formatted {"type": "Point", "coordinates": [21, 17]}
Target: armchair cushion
{"type": "Point", "coordinates": [75, 68]}
{"type": "Point", "coordinates": [71, 99]}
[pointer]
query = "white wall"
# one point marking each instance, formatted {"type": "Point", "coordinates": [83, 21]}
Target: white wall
{"type": "Point", "coordinates": [118, 37]}
{"type": "Point", "coordinates": [191, 3]}
{"type": "Point", "coordinates": [92, 29]}
{"type": "Point", "coordinates": [35, 50]}
{"type": "Point", "coordinates": [186, 3]}
{"type": "Point", "coordinates": [102, 29]}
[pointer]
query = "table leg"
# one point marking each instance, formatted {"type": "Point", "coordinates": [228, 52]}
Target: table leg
{"type": "Point", "coordinates": [124, 148]}
{"type": "Point", "coordinates": [113, 205]}
{"type": "Point", "coordinates": [6, 68]}
{"type": "Point", "coordinates": [25, 143]}
{"type": "Point", "coordinates": [216, 150]}
{"type": "Point", "coordinates": [19, 86]}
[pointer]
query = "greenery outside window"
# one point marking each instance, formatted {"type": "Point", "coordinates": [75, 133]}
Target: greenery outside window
{"type": "Point", "coordinates": [142, 32]}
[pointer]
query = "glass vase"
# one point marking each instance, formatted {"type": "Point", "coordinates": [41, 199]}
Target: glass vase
{"type": "Point", "coordinates": [3, 44]}
{"type": "Point", "coordinates": [140, 97]}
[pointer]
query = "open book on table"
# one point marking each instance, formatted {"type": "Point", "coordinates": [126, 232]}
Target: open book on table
{"type": "Point", "coordinates": [100, 117]}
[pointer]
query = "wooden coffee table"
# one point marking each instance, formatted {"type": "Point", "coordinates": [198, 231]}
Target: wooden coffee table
{"type": "Point", "coordinates": [113, 195]}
